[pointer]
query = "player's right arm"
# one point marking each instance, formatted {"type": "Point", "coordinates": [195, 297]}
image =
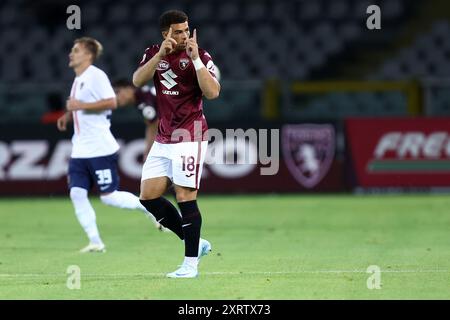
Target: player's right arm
{"type": "Point", "coordinates": [62, 121]}
{"type": "Point", "coordinates": [146, 71]}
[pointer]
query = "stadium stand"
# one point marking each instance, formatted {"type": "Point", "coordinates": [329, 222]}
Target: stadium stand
{"type": "Point", "coordinates": [429, 56]}
{"type": "Point", "coordinates": [268, 32]}
{"type": "Point", "coordinates": [252, 40]}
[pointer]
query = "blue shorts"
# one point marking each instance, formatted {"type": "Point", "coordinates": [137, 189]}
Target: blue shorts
{"type": "Point", "coordinates": [101, 171]}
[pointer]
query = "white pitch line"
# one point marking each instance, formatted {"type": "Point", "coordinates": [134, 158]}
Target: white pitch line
{"type": "Point", "coordinates": [156, 274]}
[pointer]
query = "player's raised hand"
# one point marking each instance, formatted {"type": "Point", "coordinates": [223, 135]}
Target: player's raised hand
{"type": "Point", "coordinates": [168, 45]}
{"type": "Point", "coordinates": [192, 46]}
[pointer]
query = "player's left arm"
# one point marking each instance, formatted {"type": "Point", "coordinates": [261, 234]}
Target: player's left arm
{"type": "Point", "coordinates": [104, 104]}
{"type": "Point", "coordinates": [208, 84]}
{"type": "Point", "coordinates": [101, 89]}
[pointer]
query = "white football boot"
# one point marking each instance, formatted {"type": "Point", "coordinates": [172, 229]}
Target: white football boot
{"type": "Point", "coordinates": [185, 271]}
{"type": "Point", "coordinates": [157, 225]}
{"type": "Point", "coordinates": [188, 271]}
{"type": "Point", "coordinates": [204, 247]}
{"type": "Point", "coordinates": [94, 247]}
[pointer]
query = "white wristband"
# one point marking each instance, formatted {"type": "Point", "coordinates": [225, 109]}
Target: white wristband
{"type": "Point", "coordinates": [198, 64]}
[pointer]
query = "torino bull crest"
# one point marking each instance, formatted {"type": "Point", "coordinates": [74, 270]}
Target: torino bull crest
{"type": "Point", "coordinates": [308, 151]}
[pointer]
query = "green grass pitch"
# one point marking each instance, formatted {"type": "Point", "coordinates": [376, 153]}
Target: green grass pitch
{"type": "Point", "coordinates": [264, 247]}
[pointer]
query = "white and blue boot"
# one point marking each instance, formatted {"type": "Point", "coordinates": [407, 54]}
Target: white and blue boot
{"type": "Point", "coordinates": [187, 270]}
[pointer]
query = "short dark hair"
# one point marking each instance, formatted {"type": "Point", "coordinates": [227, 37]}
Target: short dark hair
{"type": "Point", "coordinates": [171, 17]}
{"type": "Point", "coordinates": [122, 83]}
{"type": "Point", "coordinates": [92, 45]}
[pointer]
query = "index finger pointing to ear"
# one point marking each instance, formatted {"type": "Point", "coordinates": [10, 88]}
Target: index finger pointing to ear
{"type": "Point", "coordinates": [195, 35]}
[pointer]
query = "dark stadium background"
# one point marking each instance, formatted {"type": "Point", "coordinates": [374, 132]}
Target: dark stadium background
{"type": "Point", "coordinates": [283, 64]}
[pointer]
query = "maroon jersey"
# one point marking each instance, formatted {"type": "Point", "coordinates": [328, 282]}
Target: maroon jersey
{"type": "Point", "coordinates": [178, 94]}
{"type": "Point", "coordinates": [146, 102]}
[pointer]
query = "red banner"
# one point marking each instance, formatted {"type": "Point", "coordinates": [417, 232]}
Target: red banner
{"type": "Point", "coordinates": [400, 152]}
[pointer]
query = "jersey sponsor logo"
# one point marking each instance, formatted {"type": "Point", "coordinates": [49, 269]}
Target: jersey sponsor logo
{"type": "Point", "coordinates": [308, 152]}
{"type": "Point", "coordinates": [171, 93]}
{"type": "Point", "coordinates": [169, 77]}
{"type": "Point", "coordinates": [184, 63]}
{"type": "Point", "coordinates": [163, 65]}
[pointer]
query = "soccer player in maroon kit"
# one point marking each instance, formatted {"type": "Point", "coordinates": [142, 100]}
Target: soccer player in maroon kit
{"type": "Point", "coordinates": [182, 74]}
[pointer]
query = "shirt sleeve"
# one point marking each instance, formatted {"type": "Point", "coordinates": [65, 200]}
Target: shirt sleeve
{"type": "Point", "coordinates": [148, 54]}
{"type": "Point", "coordinates": [147, 96]}
{"type": "Point", "coordinates": [208, 62]}
{"type": "Point", "coordinates": [101, 87]}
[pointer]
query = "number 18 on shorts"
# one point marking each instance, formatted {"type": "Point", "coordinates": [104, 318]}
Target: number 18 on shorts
{"type": "Point", "coordinates": [180, 162]}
